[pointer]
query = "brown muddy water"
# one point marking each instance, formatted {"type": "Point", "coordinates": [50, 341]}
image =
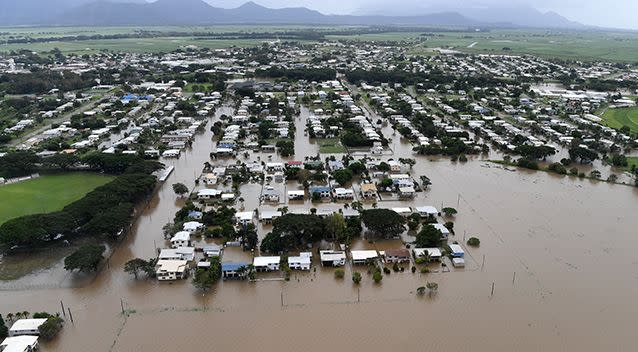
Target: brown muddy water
{"type": "Point", "coordinates": [559, 251]}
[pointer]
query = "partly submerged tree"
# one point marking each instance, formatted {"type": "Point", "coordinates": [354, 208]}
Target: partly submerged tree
{"type": "Point", "coordinates": [85, 258]}
{"type": "Point", "coordinates": [180, 189]}
{"type": "Point", "coordinates": [448, 211]}
{"type": "Point", "coordinates": [138, 265]}
{"type": "Point", "coordinates": [383, 223]}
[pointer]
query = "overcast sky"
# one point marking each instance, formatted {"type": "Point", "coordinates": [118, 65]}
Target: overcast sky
{"type": "Point", "coordinates": [606, 13]}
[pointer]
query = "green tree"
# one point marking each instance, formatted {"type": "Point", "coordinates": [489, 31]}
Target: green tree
{"type": "Point", "coordinates": [4, 330]}
{"type": "Point", "coordinates": [429, 236]}
{"type": "Point", "coordinates": [335, 226]}
{"type": "Point", "coordinates": [448, 211]}
{"type": "Point", "coordinates": [377, 276]}
{"type": "Point", "coordinates": [50, 328]}
{"type": "Point", "coordinates": [356, 277]}
{"type": "Point", "coordinates": [383, 223]}
{"type": "Point", "coordinates": [339, 273]}
{"type": "Point", "coordinates": [432, 287]}
{"type": "Point", "coordinates": [474, 242]}
{"type": "Point", "coordinates": [342, 176]}
{"type": "Point", "coordinates": [180, 189]}
{"type": "Point", "coordinates": [137, 265]}
{"type": "Point", "coordinates": [85, 258]}
{"type": "Point", "coordinates": [205, 278]}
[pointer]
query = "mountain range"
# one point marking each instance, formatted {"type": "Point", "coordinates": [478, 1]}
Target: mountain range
{"type": "Point", "coordinates": [199, 12]}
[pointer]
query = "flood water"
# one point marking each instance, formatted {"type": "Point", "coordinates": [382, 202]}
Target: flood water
{"type": "Point", "coordinates": [559, 252]}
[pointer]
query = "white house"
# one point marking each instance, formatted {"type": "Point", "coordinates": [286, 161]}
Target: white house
{"type": "Point", "coordinates": [212, 250]}
{"type": "Point", "coordinates": [301, 262]}
{"type": "Point", "coordinates": [269, 216]}
{"type": "Point", "coordinates": [407, 192]}
{"type": "Point", "coordinates": [206, 194]}
{"type": "Point", "coordinates": [332, 258]}
{"type": "Point", "coordinates": [266, 263]}
{"type": "Point", "coordinates": [399, 255]}
{"type": "Point", "coordinates": [403, 211]}
{"type": "Point", "coordinates": [296, 195]}
{"type": "Point", "coordinates": [25, 343]}
{"type": "Point", "coordinates": [443, 230]}
{"type": "Point", "coordinates": [169, 270]}
{"type": "Point", "coordinates": [458, 262]}
{"type": "Point", "coordinates": [181, 253]}
{"type": "Point", "coordinates": [457, 251]}
{"type": "Point", "coordinates": [244, 217]}
{"type": "Point", "coordinates": [427, 211]}
{"type": "Point", "coordinates": [362, 257]}
{"type": "Point", "coordinates": [434, 253]}
{"type": "Point", "coordinates": [181, 239]}
{"type": "Point", "coordinates": [193, 226]}
{"type": "Point", "coordinates": [344, 193]}
{"type": "Point", "coordinates": [26, 327]}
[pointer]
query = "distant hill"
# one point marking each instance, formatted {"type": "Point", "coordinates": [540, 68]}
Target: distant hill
{"type": "Point", "coordinates": [198, 12]}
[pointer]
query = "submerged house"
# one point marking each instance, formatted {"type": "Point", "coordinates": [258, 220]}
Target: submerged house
{"type": "Point", "coordinates": [363, 256]}
{"type": "Point", "coordinates": [301, 262]}
{"type": "Point", "coordinates": [400, 255]}
{"type": "Point", "coordinates": [26, 327]}
{"type": "Point", "coordinates": [169, 270]}
{"type": "Point", "coordinates": [232, 270]}
{"type": "Point", "coordinates": [332, 258]}
{"type": "Point", "coordinates": [266, 263]}
{"type": "Point", "coordinates": [23, 343]}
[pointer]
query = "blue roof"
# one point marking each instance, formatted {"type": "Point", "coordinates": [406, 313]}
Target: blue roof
{"type": "Point", "coordinates": [233, 266]}
{"type": "Point", "coordinates": [319, 189]}
{"type": "Point", "coordinates": [195, 214]}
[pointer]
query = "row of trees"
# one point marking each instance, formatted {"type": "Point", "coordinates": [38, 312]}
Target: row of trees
{"type": "Point", "coordinates": [107, 210]}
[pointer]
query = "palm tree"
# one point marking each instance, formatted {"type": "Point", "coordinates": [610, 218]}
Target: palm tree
{"type": "Point", "coordinates": [10, 316]}
{"type": "Point", "coordinates": [25, 314]}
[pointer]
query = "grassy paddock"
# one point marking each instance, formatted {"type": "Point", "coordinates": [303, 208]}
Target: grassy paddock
{"type": "Point", "coordinates": [617, 118]}
{"type": "Point", "coordinates": [46, 194]}
{"type": "Point", "coordinates": [331, 146]}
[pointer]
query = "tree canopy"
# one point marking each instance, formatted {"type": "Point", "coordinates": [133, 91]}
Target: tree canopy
{"type": "Point", "coordinates": [85, 258]}
{"type": "Point", "coordinates": [383, 223]}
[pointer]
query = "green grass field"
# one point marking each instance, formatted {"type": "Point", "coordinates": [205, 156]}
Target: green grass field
{"type": "Point", "coordinates": [632, 161]}
{"type": "Point", "coordinates": [617, 118]}
{"type": "Point", "coordinates": [331, 146]}
{"type": "Point", "coordinates": [46, 194]}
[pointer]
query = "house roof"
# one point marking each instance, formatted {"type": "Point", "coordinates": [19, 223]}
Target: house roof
{"type": "Point", "coordinates": [264, 261]}
{"type": "Point", "coordinates": [332, 255]}
{"type": "Point", "coordinates": [444, 230]}
{"type": "Point", "coordinates": [18, 343]}
{"type": "Point", "coordinates": [27, 324]}
{"type": "Point", "coordinates": [398, 252]}
{"type": "Point", "coordinates": [433, 252]}
{"type": "Point", "coordinates": [181, 236]}
{"type": "Point", "coordinates": [230, 266]}
{"type": "Point", "coordinates": [364, 254]}
{"type": "Point", "coordinates": [368, 187]}
{"type": "Point", "coordinates": [172, 266]}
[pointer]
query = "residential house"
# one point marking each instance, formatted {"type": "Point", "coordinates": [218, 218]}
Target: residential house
{"type": "Point", "coordinates": [432, 253]}
{"type": "Point", "coordinates": [332, 258]}
{"type": "Point", "coordinates": [181, 239]}
{"type": "Point", "coordinates": [369, 191]}
{"type": "Point", "coordinates": [363, 256]}
{"type": "Point", "coordinates": [427, 211]}
{"type": "Point", "coordinates": [457, 251]}
{"type": "Point", "coordinates": [169, 270]}
{"type": "Point", "coordinates": [212, 250]}
{"type": "Point", "coordinates": [181, 253]}
{"type": "Point", "coordinates": [323, 191]}
{"type": "Point", "coordinates": [407, 192]}
{"type": "Point", "coordinates": [232, 270]}
{"type": "Point", "coordinates": [344, 193]}
{"type": "Point", "coordinates": [444, 230]}
{"type": "Point", "coordinates": [244, 218]}
{"type": "Point", "coordinates": [269, 216]}
{"type": "Point", "coordinates": [270, 195]}
{"type": "Point", "coordinates": [400, 255]}
{"type": "Point", "coordinates": [296, 195]}
{"type": "Point", "coordinates": [193, 226]}
{"type": "Point", "coordinates": [266, 263]}
{"type": "Point", "coordinates": [301, 262]}
{"type": "Point", "coordinates": [23, 343]}
{"type": "Point", "coordinates": [26, 327]}
{"type": "Point", "coordinates": [207, 194]}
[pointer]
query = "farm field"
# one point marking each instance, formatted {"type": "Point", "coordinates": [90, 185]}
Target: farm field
{"type": "Point", "coordinates": [617, 118]}
{"type": "Point", "coordinates": [46, 194]}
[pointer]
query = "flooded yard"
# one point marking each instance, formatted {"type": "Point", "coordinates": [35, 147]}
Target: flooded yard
{"type": "Point", "coordinates": [557, 252]}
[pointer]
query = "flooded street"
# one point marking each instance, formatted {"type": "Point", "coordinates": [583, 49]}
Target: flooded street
{"type": "Point", "coordinates": [559, 252]}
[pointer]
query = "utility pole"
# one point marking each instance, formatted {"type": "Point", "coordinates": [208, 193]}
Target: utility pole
{"type": "Point", "coordinates": [483, 263]}
{"type": "Point", "coordinates": [70, 315]}
{"type": "Point", "coordinates": [514, 278]}
{"type": "Point", "coordinates": [492, 294]}
{"type": "Point", "coordinates": [63, 311]}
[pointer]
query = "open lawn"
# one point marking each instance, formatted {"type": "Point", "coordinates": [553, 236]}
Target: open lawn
{"type": "Point", "coordinates": [331, 146]}
{"type": "Point", "coordinates": [46, 194]}
{"type": "Point", "coordinates": [617, 118]}
{"type": "Point", "coordinates": [632, 162]}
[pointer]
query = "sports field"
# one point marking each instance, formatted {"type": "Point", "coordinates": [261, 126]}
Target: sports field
{"type": "Point", "coordinates": [46, 194]}
{"type": "Point", "coordinates": [617, 118]}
